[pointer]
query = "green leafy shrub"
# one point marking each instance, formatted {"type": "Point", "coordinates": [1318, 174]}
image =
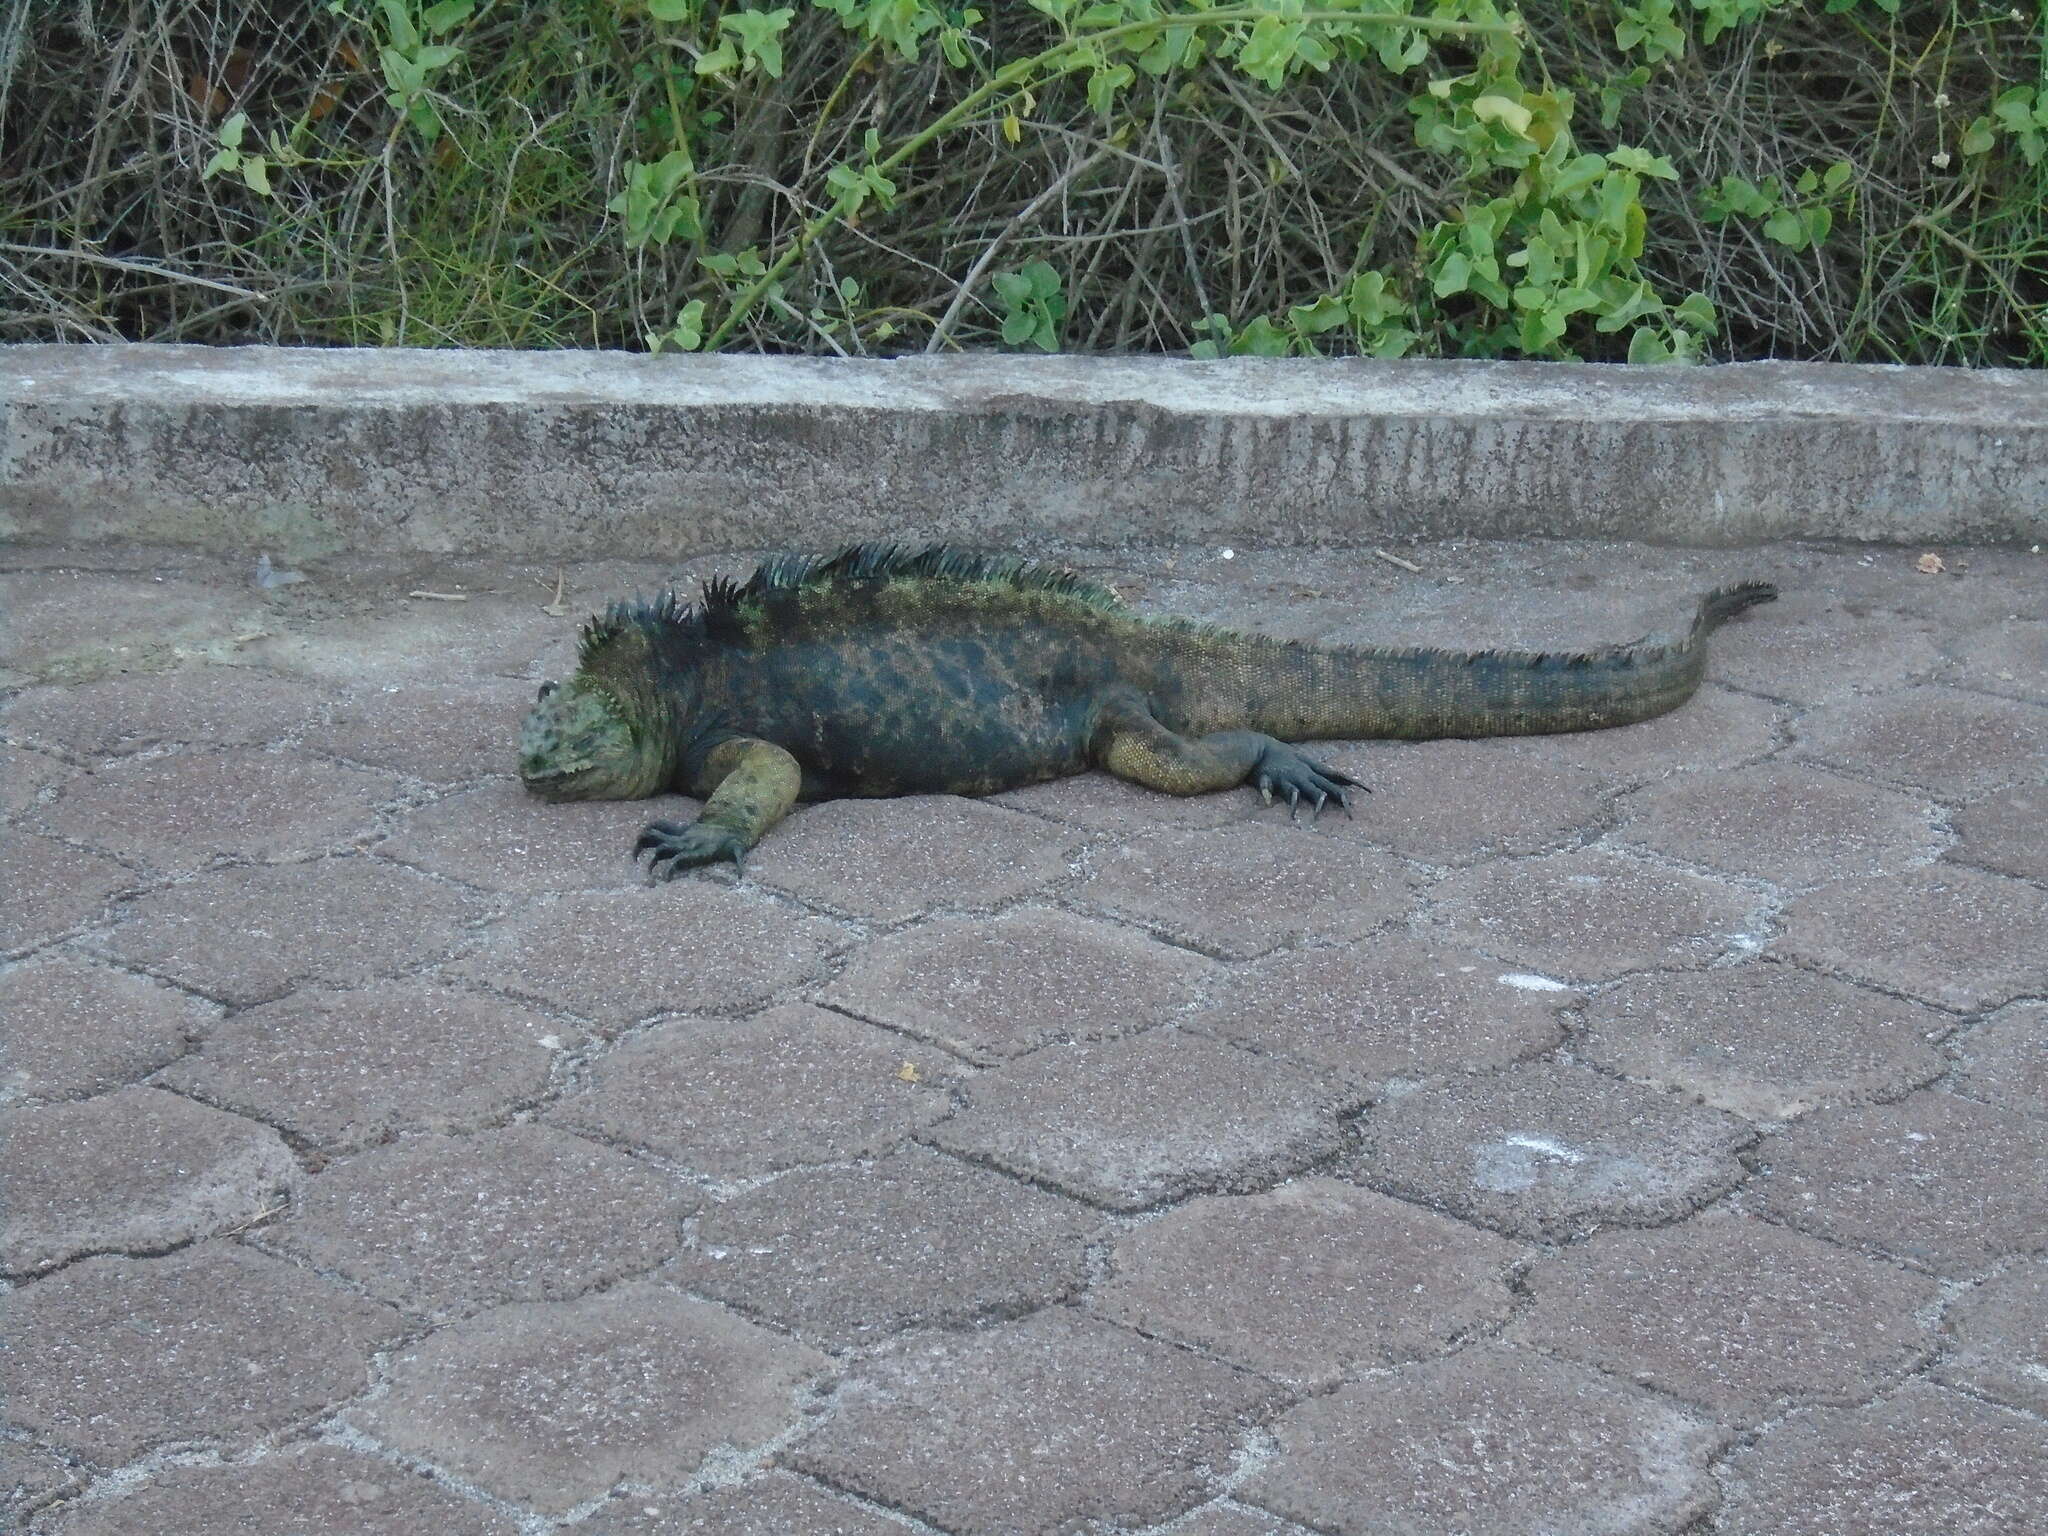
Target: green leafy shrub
{"type": "Point", "coordinates": [1727, 178]}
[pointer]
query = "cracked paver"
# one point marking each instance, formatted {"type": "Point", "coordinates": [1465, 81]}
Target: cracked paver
{"type": "Point", "coordinates": [214, 1344]}
{"type": "Point", "coordinates": [1549, 1151]}
{"type": "Point", "coordinates": [1490, 1442]}
{"type": "Point", "coordinates": [1596, 1130]}
{"type": "Point", "coordinates": [134, 1171]}
{"type": "Point", "coordinates": [1922, 1462]}
{"type": "Point", "coordinates": [551, 1404]}
{"type": "Point", "coordinates": [1005, 1431]}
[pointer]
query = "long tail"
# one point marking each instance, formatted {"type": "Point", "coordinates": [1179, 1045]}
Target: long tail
{"type": "Point", "coordinates": [1301, 692]}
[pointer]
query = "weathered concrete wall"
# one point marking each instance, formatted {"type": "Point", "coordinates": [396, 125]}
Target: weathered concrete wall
{"type": "Point", "coordinates": [561, 454]}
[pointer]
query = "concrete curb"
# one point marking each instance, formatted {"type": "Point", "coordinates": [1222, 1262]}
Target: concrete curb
{"type": "Point", "coordinates": [568, 454]}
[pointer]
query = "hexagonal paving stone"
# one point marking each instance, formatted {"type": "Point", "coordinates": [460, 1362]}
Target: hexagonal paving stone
{"type": "Point", "coordinates": [550, 1404]}
{"type": "Point", "coordinates": [1309, 1281]}
{"type": "Point", "coordinates": [30, 1479]}
{"type": "Point", "coordinates": [1939, 1181]}
{"type": "Point", "coordinates": [2008, 656]}
{"type": "Point", "coordinates": [216, 1343]}
{"type": "Point", "coordinates": [442, 1225]}
{"type": "Point", "coordinates": [793, 1085]}
{"type": "Point", "coordinates": [95, 1028]}
{"type": "Point", "coordinates": [130, 1172]}
{"type": "Point", "coordinates": [1732, 1314]}
{"type": "Point", "coordinates": [180, 811]}
{"type": "Point", "coordinates": [1762, 1039]}
{"type": "Point", "coordinates": [1132, 1122]}
{"type": "Point", "coordinates": [1957, 746]}
{"type": "Point", "coordinates": [1491, 1442]}
{"type": "Point", "coordinates": [210, 706]}
{"type": "Point", "coordinates": [1241, 890]}
{"type": "Point", "coordinates": [1003, 1431]}
{"type": "Point", "coordinates": [1814, 644]}
{"type": "Point", "coordinates": [1955, 936]}
{"type": "Point", "coordinates": [992, 987]}
{"type": "Point", "coordinates": [25, 775]}
{"type": "Point", "coordinates": [1454, 802]}
{"type": "Point", "coordinates": [1389, 1008]}
{"type": "Point", "coordinates": [775, 1505]}
{"type": "Point", "coordinates": [890, 860]}
{"type": "Point", "coordinates": [445, 733]}
{"type": "Point", "coordinates": [2000, 1338]}
{"type": "Point", "coordinates": [691, 946]}
{"type": "Point", "coordinates": [247, 935]}
{"type": "Point", "coordinates": [1104, 803]}
{"type": "Point", "coordinates": [846, 1256]}
{"type": "Point", "coordinates": [2005, 1059]}
{"type": "Point", "coordinates": [52, 889]}
{"type": "Point", "coordinates": [502, 838]}
{"type": "Point", "coordinates": [302, 1489]}
{"type": "Point", "coordinates": [1783, 822]}
{"type": "Point", "coordinates": [2007, 832]}
{"type": "Point", "coordinates": [344, 1069]}
{"type": "Point", "coordinates": [1924, 1462]}
{"type": "Point", "coordinates": [1549, 1151]}
{"type": "Point", "coordinates": [1590, 915]}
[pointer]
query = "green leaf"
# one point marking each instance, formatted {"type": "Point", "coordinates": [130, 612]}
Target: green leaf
{"type": "Point", "coordinates": [1014, 288]}
{"type": "Point", "coordinates": [1697, 311]}
{"type": "Point", "coordinates": [231, 130]}
{"type": "Point", "coordinates": [1324, 314]}
{"type": "Point", "coordinates": [1646, 346]}
{"type": "Point", "coordinates": [1643, 163]}
{"type": "Point", "coordinates": [398, 24]}
{"type": "Point", "coordinates": [760, 36]}
{"type": "Point", "coordinates": [223, 160]}
{"type": "Point", "coordinates": [1394, 342]}
{"type": "Point", "coordinates": [1511, 115]}
{"type": "Point", "coordinates": [718, 60]}
{"type": "Point", "coordinates": [1262, 338]}
{"type": "Point", "coordinates": [1451, 276]}
{"type": "Point", "coordinates": [1104, 84]}
{"type": "Point", "coordinates": [672, 10]}
{"type": "Point", "coordinates": [1369, 302]}
{"type": "Point", "coordinates": [449, 13]}
{"type": "Point", "coordinates": [1575, 176]}
{"type": "Point", "coordinates": [1787, 228]}
{"type": "Point", "coordinates": [1043, 277]}
{"type": "Point", "coordinates": [1978, 137]}
{"type": "Point", "coordinates": [1019, 327]}
{"type": "Point", "coordinates": [256, 174]}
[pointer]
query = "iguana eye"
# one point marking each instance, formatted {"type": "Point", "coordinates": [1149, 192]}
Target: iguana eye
{"type": "Point", "coordinates": [545, 690]}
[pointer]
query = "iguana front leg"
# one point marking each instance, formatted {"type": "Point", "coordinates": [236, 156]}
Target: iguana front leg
{"type": "Point", "coordinates": [1132, 745]}
{"type": "Point", "coordinates": [748, 785]}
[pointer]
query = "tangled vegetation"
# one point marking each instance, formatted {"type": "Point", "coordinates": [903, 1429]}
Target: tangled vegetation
{"type": "Point", "coordinates": [1851, 180]}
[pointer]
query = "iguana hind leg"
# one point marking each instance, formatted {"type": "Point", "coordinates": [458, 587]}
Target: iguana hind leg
{"type": "Point", "coordinates": [749, 785]}
{"type": "Point", "coordinates": [1131, 744]}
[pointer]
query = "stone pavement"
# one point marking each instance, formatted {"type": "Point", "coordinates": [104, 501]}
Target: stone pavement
{"type": "Point", "coordinates": [1636, 1132]}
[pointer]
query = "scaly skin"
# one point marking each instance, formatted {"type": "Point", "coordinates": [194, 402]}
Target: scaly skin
{"type": "Point", "coordinates": [881, 671]}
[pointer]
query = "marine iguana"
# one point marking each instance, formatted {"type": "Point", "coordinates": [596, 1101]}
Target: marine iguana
{"type": "Point", "coordinates": [882, 670]}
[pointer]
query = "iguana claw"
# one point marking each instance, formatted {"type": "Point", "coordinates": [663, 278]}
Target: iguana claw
{"type": "Point", "coordinates": [672, 847]}
{"type": "Point", "coordinates": [1285, 769]}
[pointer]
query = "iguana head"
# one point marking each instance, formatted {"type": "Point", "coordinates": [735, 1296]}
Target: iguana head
{"type": "Point", "coordinates": [578, 744]}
